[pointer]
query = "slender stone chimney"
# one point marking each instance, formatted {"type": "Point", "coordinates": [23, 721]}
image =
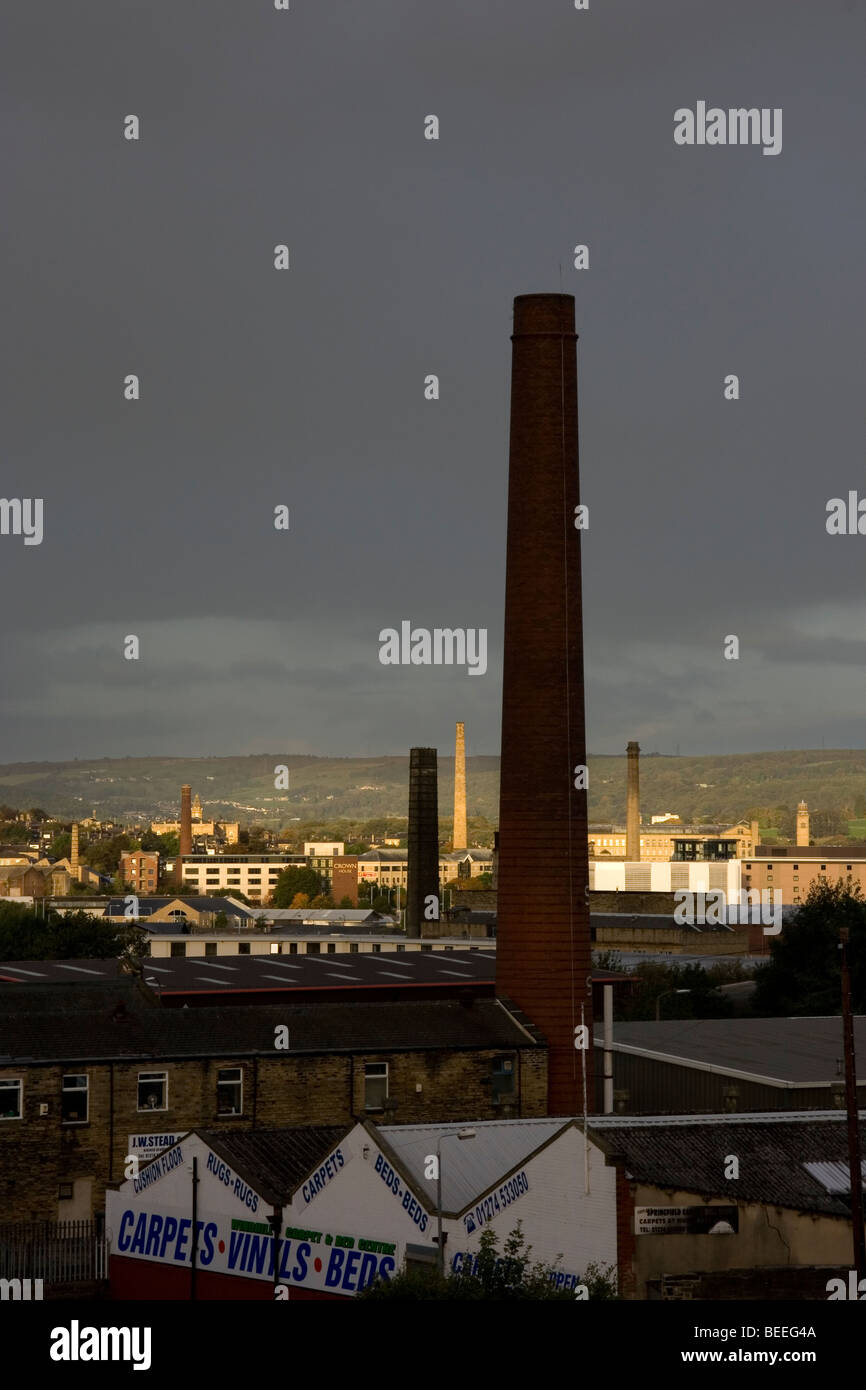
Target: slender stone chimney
{"type": "Point", "coordinates": [543, 945]}
{"type": "Point", "coordinates": [459, 839]}
{"type": "Point", "coordinates": [803, 824]}
{"type": "Point", "coordinates": [422, 877]}
{"type": "Point", "coordinates": [185, 820]}
{"type": "Point", "coordinates": [73, 852]}
{"type": "Point", "coordinates": [632, 805]}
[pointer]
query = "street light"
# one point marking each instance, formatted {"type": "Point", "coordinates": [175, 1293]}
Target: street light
{"type": "Point", "coordinates": [661, 996]}
{"type": "Point", "coordinates": [453, 1134]}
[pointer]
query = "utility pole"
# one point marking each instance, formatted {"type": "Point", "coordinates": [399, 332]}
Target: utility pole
{"type": "Point", "coordinates": [193, 1260]}
{"type": "Point", "coordinates": [854, 1162]}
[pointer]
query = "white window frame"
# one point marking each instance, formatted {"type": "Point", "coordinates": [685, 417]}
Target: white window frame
{"type": "Point", "coordinates": [379, 1071]}
{"type": "Point", "coordinates": [69, 1090]}
{"type": "Point", "coordinates": [238, 1082]}
{"type": "Point", "coordinates": [152, 1076]}
{"type": "Point", "coordinates": [11, 1081]}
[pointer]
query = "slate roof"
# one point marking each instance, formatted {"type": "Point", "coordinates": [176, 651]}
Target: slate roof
{"type": "Point", "coordinates": [53, 1025]}
{"type": "Point", "coordinates": [689, 1155]}
{"type": "Point", "coordinates": [785, 1052]}
{"type": "Point", "coordinates": [275, 1161]}
{"type": "Point", "coordinates": [147, 903]}
{"type": "Point", "coordinates": [58, 971]}
{"type": "Point", "coordinates": [260, 973]}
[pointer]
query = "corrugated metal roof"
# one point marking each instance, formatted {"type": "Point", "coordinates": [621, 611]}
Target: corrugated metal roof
{"type": "Point", "coordinates": [834, 1176]}
{"type": "Point", "coordinates": [472, 1166]}
{"type": "Point", "coordinates": [782, 1052]}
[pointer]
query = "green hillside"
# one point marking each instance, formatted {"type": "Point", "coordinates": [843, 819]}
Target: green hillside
{"type": "Point", "coordinates": [713, 789]}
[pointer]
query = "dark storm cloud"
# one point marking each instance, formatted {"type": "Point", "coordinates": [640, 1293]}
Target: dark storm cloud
{"type": "Point", "coordinates": [305, 388]}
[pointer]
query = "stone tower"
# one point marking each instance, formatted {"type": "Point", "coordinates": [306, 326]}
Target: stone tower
{"type": "Point", "coordinates": [459, 838]}
{"type": "Point", "coordinates": [802, 824]}
{"type": "Point", "coordinates": [632, 805]}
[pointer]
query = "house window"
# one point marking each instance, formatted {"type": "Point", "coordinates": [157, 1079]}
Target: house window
{"type": "Point", "coordinates": [243, 948]}
{"type": "Point", "coordinates": [10, 1098]}
{"type": "Point", "coordinates": [375, 1085]}
{"type": "Point", "coordinates": [332, 948]}
{"type": "Point", "coordinates": [153, 1090]}
{"type": "Point", "coordinates": [376, 947]}
{"type": "Point", "coordinates": [210, 948]}
{"type": "Point", "coordinates": [178, 948]}
{"type": "Point", "coordinates": [230, 1091]}
{"type": "Point", "coordinates": [73, 1100]}
{"type": "Point", "coordinates": [65, 1192]}
{"type": "Point", "coordinates": [353, 947]}
{"type": "Point", "coordinates": [293, 948]}
{"type": "Point", "coordinates": [503, 1076]}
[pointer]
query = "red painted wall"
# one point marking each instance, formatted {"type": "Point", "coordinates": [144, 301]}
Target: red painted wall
{"type": "Point", "coordinates": [145, 1280]}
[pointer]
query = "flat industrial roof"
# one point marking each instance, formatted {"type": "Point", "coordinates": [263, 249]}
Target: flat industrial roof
{"type": "Point", "coordinates": [784, 1052]}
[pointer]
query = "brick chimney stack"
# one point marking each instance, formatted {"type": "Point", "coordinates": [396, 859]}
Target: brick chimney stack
{"type": "Point", "coordinates": [459, 839]}
{"type": "Point", "coordinates": [632, 805]}
{"type": "Point", "coordinates": [543, 944]}
{"type": "Point", "coordinates": [422, 875]}
{"type": "Point", "coordinates": [185, 820]}
{"type": "Point", "coordinates": [73, 852]}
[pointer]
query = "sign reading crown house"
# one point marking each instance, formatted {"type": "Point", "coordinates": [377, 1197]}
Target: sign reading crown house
{"type": "Point", "coordinates": [149, 1217]}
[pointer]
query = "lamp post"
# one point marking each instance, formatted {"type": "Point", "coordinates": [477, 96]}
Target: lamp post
{"type": "Point", "coordinates": [452, 1134]}
{"type": "Point", "coordinates": [661, 996]}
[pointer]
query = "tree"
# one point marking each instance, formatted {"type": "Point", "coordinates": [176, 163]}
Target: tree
{"type": "Point", "coordinates": [61, 845]}
{"type": "Point", "coordinates": [346, 902]}
{"type": "Point", "coordinates": [293, 880]}
{"type": "Point", "coordinates": [26, 936]}
{"type": "Point", "coordinates": [803, 974]}
{"type": "Point", "coordinates": [322, 900]}
{"type": "Point", "coordinates": [492, 1277]}
{"type": "Point", "coordinates": [300, 900]}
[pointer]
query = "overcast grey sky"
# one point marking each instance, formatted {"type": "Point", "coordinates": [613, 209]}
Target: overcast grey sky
{"type": "Point", "coordinates": [305, 387]}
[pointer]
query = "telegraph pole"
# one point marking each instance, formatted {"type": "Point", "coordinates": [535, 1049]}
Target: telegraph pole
{"type": "Point", "coordinates": [854, 1162]}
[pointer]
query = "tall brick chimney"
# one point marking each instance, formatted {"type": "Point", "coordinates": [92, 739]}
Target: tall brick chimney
{"type": "Point", "coordinates": [185, 820]}
{"type": "Point", "coordinates": [632, 805]}
{"type": "Point", "coordinates": [73, 852]}
{"type": "Point", "coordinates": [543, 948]}
{"type": "Point", "coordinates": [459, 839]}
{"type": "Point", "coordinates": [422, 877]}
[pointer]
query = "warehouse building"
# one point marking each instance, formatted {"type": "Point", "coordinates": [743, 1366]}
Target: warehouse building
{"type": "Point", "coordinates": [653, 1203]}
{"type": "Point", "coordinates": [713, 1065]}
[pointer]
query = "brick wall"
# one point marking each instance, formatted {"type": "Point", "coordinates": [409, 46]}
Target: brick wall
{"type": "Point", "coordinates": [38, 1153]}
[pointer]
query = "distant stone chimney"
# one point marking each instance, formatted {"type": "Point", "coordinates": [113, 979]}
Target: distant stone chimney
{"type": "Point", "coordinates": [185, 820]}
{"type": "Point", "coordinates": [632, 806]}
{"type": "Point", "coordinates": [73, 852]}
{"type": "Point", "coordinates": [459, 839]}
